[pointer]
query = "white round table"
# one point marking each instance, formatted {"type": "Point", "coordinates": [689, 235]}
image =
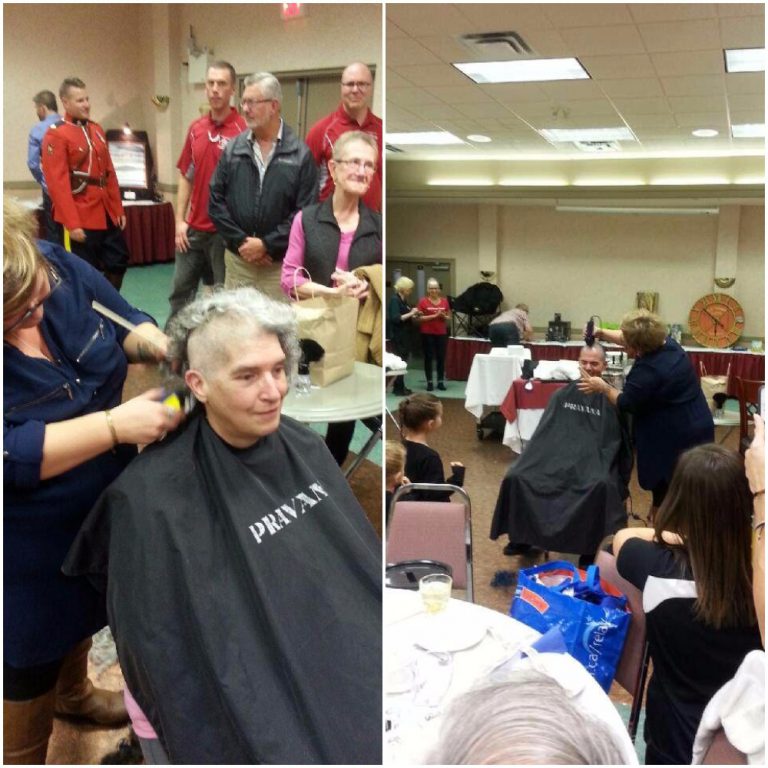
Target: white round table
{"type": "Point", "coordinates": [419, 684]}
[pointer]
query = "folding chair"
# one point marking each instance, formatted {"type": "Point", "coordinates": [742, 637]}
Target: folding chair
{"type": "Point", "coordinates": [749, 404]}
{"type": "Point", "coordinates": [433, 530]}
{"type": "Point", "coordinates": [408, 573]}
{"type": "Point", "coordinates": [632, 671]}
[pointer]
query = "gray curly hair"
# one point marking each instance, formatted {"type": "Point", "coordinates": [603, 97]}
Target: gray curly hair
{"type": "Point", "coordinates": [215, 319]}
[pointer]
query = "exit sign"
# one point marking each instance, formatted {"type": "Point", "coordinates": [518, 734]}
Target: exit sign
{"type": "Point", "coordinates": [292, 11]}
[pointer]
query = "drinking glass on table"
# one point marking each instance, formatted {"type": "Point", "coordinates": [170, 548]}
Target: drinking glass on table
{"type": "Point", "coordinates": [435, 591]}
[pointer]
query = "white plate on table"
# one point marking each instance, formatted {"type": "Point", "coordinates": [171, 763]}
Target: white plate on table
{"type": "Point", "coordinates": [445, 633]}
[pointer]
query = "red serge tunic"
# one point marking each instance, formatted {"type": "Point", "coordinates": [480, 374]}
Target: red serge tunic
{"type": "Point", "coordinates": [80, 146]}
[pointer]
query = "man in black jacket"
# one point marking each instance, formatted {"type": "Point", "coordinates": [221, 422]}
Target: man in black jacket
{"type": "Point", "coordinates": [265, 175]}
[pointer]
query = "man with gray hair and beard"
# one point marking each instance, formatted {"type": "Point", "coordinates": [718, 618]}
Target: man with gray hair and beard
{"type": "Point", "coordinates": [244, 581]}
{"type": "Point", "coordinates": [265, 175]}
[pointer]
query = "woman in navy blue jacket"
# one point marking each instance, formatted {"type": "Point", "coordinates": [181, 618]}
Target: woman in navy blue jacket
{"type": "Point", "coordinates": [66, 438]}
{"type": "Point", "coordinates": [663, 394]}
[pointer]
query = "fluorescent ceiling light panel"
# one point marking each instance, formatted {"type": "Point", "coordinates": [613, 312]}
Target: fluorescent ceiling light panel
{"type": "Point", "coordinates": [748, 131]}
{"type": "Point", "coordinates": [745, 59]}
{"type": "Point", "coordinates": [694, 181]}
{"type": "Point", "coordinates": [435, 138]}
{"type": "Point", "coordinates": [460, 183]}
{"type": "Point", "coordinates": [615, 182]}
{"type": "Point", "coordinates": [704, 133]}
{"type": "Point", "coordinates": [587, 134]}
{"type": "Point", "coordinates": [478, 138]}
{"type": "Point", "coordinates": [526, 71]}
{"type": "Point", "coordinates": [533, 182]}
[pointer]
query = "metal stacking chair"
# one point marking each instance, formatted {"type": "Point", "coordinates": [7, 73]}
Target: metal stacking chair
{"type": "Point", "coordinates": [433, 530]}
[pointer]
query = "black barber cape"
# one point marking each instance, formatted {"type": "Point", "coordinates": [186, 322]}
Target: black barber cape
{"type": "Point", "coordinates": [566, 490]}
{"type": "Point", "coordinates": [244, 594]}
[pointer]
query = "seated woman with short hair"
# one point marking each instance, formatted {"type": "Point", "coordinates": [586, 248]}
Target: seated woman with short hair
{"type": "Point", "coordinates": [694, 570]}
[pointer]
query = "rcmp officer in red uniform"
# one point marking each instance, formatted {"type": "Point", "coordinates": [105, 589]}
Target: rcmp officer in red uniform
{"type": "Point", "coordinates": [83, 185]}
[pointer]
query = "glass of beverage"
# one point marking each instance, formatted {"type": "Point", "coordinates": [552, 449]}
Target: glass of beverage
{"type": "Point", "coordinates": [435, 591]}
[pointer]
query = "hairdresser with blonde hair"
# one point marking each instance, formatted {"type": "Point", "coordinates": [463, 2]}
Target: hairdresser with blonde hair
{"type": "Point", "coordinates": [662, 393]}
{"type": "Point", "coordinates": [66, 438]}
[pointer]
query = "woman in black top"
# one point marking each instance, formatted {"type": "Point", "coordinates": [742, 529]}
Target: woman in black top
{"type": "Point", "coordinates": [420, 415]}
{"type": "Point", "coordinates": [399, 316]}
{"type": "Point", "coordinates": [695, 573]}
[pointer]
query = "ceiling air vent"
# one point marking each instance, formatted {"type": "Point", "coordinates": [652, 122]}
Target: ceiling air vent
{"type": "Point", "coordinates": [497, 45]}
{"type": "Point", "coordinates": [598, 146]}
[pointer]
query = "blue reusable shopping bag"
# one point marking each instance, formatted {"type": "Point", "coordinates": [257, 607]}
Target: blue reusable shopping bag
{"type": "Point", "coordinates": [591, 615]}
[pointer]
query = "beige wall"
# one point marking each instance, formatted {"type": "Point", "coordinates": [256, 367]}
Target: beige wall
{"type": "Point", "coordinates": [128, 53]}
{"type": "Point", "coordinates": [581, 264]}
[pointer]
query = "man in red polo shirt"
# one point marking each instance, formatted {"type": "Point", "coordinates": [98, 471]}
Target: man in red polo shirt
{"type": "Point", "coordinates": [83, 185]}
{"type": "Point", "coordinates": [353, 114]}
{"type": "Point", "coordinates": [199, 248]}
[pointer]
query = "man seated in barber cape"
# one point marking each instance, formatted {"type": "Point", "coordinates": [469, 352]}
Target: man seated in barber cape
{"type": "Point", "coordinates": [243, 579]}
{"type": "Point", "coordinates": [567, 490]}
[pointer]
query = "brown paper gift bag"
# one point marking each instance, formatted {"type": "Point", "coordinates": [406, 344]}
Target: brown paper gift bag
{"type": "Point", "coordinates": [713, 385]}
{"type": "Point", "coordinates": [331, 321]}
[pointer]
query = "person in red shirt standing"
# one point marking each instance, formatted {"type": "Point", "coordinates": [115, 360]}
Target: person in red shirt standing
{"type": "Point", "coordinates": [83, 185]}
{"type": "Point", "coordinates": [199, 248]}
{"type": "Point", "coordinates": [353, 114]}
{"type": "Point", "coordinates": [433, 325]}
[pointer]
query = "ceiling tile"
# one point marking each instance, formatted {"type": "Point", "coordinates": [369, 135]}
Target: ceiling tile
{"type": "Point", "coordinates": [461, 94]}
{"type": "Point", "coordinates": [396, 81]}
{"type": "Point", "coordinates": [636, 65]}
{"type": "Point", "coordinates": [630, 107]}
{"type": "Point", "coordinates": [745, 82]}
{"type": "Point", "coordinates": [745, 102]}
{"type": "Point", "coordinates": [393, 31]}
{"type": "Point", "coordinates": [713, 103]}
{"type": "Point", "coordinates": [739, 117]}
{"type": "Point", "coordinates": [513, 93]}
{"type": "Point", "coordinates": [446, 48]}
{"type": "Point", "coordinates": [727, 10]}
{"type": "Point", "coordinates": [685, 63]}
{"type": "Point", "coordinates": [434, 74]}
{"type": "Point", "coordinates": [652, 121]}
{"type": "Point", "coordinates": [681, 35]}
{"type": "Point", "coordinates": [632, 88]}
{"type": "Point", "coordinates": [407, 97]}
{"type": "Point", "coordinates": [439, 112]}
{"type": "Point", "coordinates": [480, 111]}
{"type": "Point", "coordinates": [648, 12]}
{"type": "Point", "coordinates": [572, 90]}
{"type": "Point", "coordinates": [405, 52]}
{"type": "Point", "coordinates": [693, 120]}
{"type": "Point", "coordinates": [428, 19]}
{"type": "Point", "coordinates": [587, 14]}
{"type": "Point", "coordinates": [742, 33]}
{"type": "Point", "coordinates": [492, 17]}
{"type": "Point", "coordinates": [693, 85]}
{"type": "Point", "coordinates": [603, 41]}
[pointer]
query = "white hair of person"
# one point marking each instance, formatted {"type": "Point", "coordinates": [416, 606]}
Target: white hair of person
{"type": "Point", "coordinates": [269, 84]}
{"type": "Point", "coordinates": [526, 720]}
{"type": "Point", "coordinates": [212, 321]}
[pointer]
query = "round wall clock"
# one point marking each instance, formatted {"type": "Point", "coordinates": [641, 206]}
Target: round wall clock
{"type": "Point", "coordinates": [716, 320]}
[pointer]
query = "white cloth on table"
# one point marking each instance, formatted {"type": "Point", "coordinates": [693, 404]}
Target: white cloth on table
{"type": "Point", "coordinates": [393, 362]}
{"type": "Point", "coordinates": [489, 381]}
{"type": "Point", "coordinates": [560, 370]}
{"type": "Point", "coordinates": [739, 709]}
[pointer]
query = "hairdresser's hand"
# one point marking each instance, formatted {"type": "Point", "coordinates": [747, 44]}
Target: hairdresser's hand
{"type": "Point", "coordinates": [754, 458]}
{"type": "Point", "coordinates": [78, 235]}
{"type": "Point", "coordinates": [145, 419]}
{"type": "Point", "coordinates": [147, 344]}
{"type": "Point", "coordinates": [592, 385]}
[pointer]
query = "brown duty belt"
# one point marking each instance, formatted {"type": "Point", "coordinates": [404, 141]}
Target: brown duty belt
{"type": "Point", "coordinates": [79, 182]}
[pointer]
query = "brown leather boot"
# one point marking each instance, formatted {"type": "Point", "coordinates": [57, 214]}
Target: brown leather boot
{"type": "Point", "coordinates": [76, 695]}
{"type": "Point", "coordinates": [27, 726]}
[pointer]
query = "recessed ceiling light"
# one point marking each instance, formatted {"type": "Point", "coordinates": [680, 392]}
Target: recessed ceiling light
{"type": "Point", "coordinates": [748, 131]}
{"type": "Point", "coordinates": [478, 138]}
{"type": "Point", "coordinates": [423, 137]}
{"type": "Point", "coordinates": [526, 71]}
{"type": "Point", "coordinates": [587, 134]}
{"type": "Point", "coordinates": [704, 133]}
{"type": "Point", "coordinates": [745, 60]}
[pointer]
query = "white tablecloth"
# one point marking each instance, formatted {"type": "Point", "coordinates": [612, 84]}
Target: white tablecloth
{"type": "Point", "coordinates": [522, 428]}
{"type": "Point", "coordinates": [416, 725]}
{"type": "Point", "coordinates": [490, 378]}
